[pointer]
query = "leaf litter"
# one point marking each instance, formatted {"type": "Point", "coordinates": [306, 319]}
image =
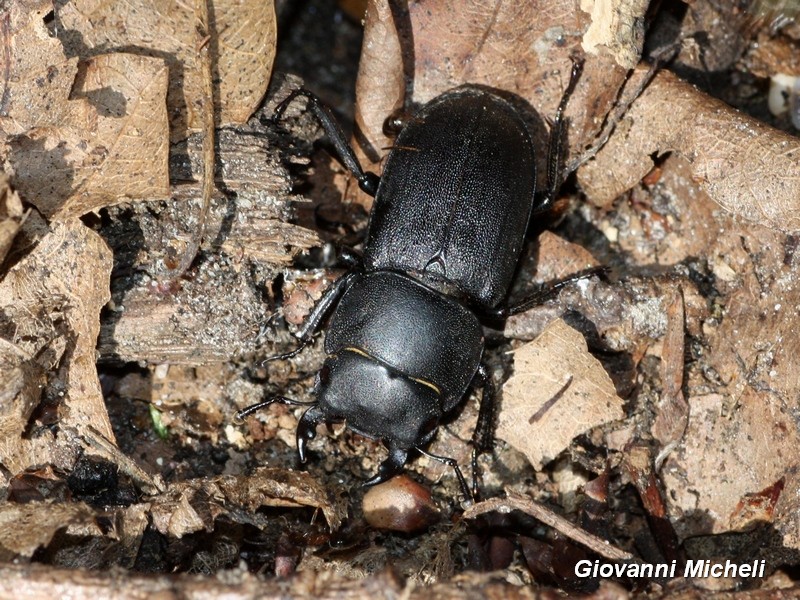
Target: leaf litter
{"type": "Point", "coordinates": [687, 347]}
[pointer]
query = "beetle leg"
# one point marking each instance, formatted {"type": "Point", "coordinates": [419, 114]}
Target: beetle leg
{"type": "Point", "coordinates": [320, 310]}
{"type": "Point", "coordinates": [367, 181]}
{"type": "Point", "coordinates": [390, 467]}
{"type": "Point", "coordinates": [307, 429]}
{"type": "Point", "coordinates": [349, 258]}
{"type": "Point", "coordinates": [452, 462]}
{"type": "Point", "coordinates": [483, 434]}
{"type": "Point", "coordinates": [546, 292]}
{"type": "Point", "coordinates": [555, 151]}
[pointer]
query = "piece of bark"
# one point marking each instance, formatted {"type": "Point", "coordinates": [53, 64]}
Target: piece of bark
{"type": "Point", "coordinates": [196, 319]}
{"type": "Point", "coordinates": [672, 411]}
{"type": "Point", "coordinates": [26, 582]}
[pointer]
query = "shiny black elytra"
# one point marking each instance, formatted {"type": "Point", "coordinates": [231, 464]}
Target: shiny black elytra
{"type": "Point", "coordinates": [405, 339]}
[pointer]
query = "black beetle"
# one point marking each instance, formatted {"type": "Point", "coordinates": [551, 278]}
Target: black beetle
{"type": "Point", "coordinates": [405, 341]}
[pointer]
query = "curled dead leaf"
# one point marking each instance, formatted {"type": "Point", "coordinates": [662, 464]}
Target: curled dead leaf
{"type": "Point", "coordinates": [11, 215]}
{"type": "Point", "coordinates": [191, 506]}
{"type": "Point", "coordinates": [111, 147]}
{"type": "Point", "coordinates": [24, 528]}
{"type": "Point", "coordinates": [51, 301]}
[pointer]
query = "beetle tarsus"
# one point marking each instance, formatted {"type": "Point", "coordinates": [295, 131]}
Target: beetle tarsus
{"type": "Point", "coordinates": [291, 353]}
{"type": "Point", "coordinates": [368, 183]}
{"type": "Point", "coordinates": [349, 258]}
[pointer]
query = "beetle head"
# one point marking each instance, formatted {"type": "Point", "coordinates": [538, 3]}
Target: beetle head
{"type": "Point", "coordinates": [378, 401]}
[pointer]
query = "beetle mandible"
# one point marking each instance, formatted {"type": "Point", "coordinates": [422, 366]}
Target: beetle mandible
{"type": "Point", "coordinates": [405, 339]}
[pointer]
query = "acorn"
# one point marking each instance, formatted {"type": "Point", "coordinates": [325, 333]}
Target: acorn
{"type": "Point", "coordinates": [400, 504]}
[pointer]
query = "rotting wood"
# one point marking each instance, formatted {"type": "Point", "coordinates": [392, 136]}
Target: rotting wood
{"type": "Point", "coordinates": [218, 311]}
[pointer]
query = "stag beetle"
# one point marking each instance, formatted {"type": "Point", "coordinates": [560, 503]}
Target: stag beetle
{"type": "Point", "coordinates": [405, 339]}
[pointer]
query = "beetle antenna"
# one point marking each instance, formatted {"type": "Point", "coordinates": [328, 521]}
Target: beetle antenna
{"type": "Point", "coordinates": [274, 400]}
{"type": "Point", "coordinates": [303, 343]}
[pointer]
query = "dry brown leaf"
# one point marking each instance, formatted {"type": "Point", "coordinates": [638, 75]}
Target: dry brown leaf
{"type": "Point", "coordinates": [558, 391]}
{"type": "Point", "coordinates": [747, 435]}
{"type": "Point", "coordinates": [247, 33]}
{"type": "Point", "coordinates": [740, 440]}
{"type": "Point", "coordinates": [531, 40]}
{"type": "Point", "coordinates": [51, 302]}
{"type": "Point", "coordinates": [111, 147]}
{"type": "Point", "coordinates": [559, 258]}
{"type": "Point", "coordinates": [381, 87]}
{"type": "Point", "coordinates": [191, 506]}
{"type": "Point", "coordinates": [26, 527]}
{"type": "Point", "coordinates": [39, 76]}
{"type": "Point", "coordinates": [725, 457]}
{"type": "Point", "coordinates": [787, 511]}
{"type": "Point", "coordinates": [242, 42]}
{"type": "Point", "coordinates": [10, 215]}
{"type": "Point", "coordinates": [747, 167]}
